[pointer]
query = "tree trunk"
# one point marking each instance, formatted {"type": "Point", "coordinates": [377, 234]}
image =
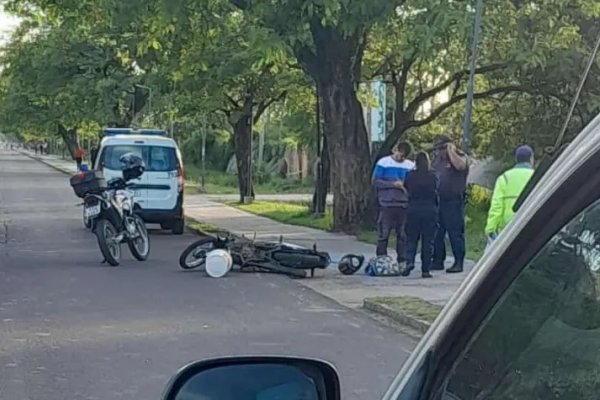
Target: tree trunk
{"type": "Point", "coordinates": [322, 181]}
{"type": "Point", "coordinates": [121, 120]}
{"type": "Point", "coordinates": [348, 150]}
{"type": "Point", "coordinates": [69, 137]}
{"type": "Point", "coordinates": [334, 63]}
{"type": "Point", "coordinates": [323, 170]}
{"type": "Point", "coordinates": [242, 142]}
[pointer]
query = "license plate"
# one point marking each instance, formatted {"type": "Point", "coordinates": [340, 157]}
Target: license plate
{"type": "Point", "coordinates": [91, 211]}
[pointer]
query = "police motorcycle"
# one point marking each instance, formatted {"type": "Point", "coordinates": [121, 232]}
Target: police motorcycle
{"type": "Point", "coordinates": [108, 208]}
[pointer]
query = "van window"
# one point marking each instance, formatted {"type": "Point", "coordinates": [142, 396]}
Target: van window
{"type": "Point", "coordinates": [541, 339]}
{"type": "Point", "coordinates": [157, 158]}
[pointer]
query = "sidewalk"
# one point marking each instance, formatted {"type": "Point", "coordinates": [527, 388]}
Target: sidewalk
{"type": "Point", "coordinates": [347, 290]}
{"type": "Point", "coordinates": [283, 198]}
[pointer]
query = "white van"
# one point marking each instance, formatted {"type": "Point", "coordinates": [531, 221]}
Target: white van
{"type": "Point", "coordinates": [159, 193]}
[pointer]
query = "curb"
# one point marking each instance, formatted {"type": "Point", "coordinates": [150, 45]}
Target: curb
{"type": "Point", "coordinates": [196, 231]}
{"type": "Point", "coordinates": [396, 315]}
{"type": "Point", "coordinates": [51, 165]}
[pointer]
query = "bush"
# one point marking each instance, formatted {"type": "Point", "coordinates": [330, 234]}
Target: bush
{"type": "Point", "coordinates": [478, 204]}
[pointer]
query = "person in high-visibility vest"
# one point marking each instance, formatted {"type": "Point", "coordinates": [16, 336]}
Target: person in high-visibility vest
{"type": "Point", "coordinates": [507, 189]}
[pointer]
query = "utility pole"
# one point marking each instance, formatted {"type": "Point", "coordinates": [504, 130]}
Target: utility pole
{"type": "Point", "coordinates": [249, 188]}
{"type": "Point", "coordinates": [318, 208]}
{"type": "Point", "coordinates": [466, 143]}
{"type": "Point", "coordinates": [203, 178]}
{"type": "Point", "coordinates": [261, 142]}
{"type": "Point", "coordinates": [171, 113]}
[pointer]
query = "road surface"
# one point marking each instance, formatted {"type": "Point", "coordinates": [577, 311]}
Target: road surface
{"type": "Point", "coordinates": [72, 328]}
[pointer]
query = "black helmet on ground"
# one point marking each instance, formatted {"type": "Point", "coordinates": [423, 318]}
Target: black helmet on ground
{"type": "Point", "coordinates": [350, 264]}
{"type": "Point", "coordinates": [132, 165]}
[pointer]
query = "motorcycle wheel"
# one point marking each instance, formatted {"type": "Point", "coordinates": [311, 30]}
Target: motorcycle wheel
{"type": "Point", "coordinates": [140, 246]}
{"type": "Point", "coordinates": [194, 255]}
{"type": "Point", "coordinates": [105, 232]}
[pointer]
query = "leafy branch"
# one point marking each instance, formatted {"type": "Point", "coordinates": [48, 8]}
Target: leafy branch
{"type": "Point", "coordinates": [455, 99]}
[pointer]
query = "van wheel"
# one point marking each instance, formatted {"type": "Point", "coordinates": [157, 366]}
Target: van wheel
{"type": "Point", "coordinates": [178, 227]}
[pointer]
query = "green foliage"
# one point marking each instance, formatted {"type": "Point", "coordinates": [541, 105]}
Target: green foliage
{"type": "Point", "coordinates": [412, 307]}
{"type": "Point", "coordinates": [70, 65]}
{"type": "Point", "coordinates": [288, 213]}
{"type": "Point", "coordinates": [74, 65]}
{"type": "Point", "coordinates": [531, 57]}
{"type": "Point", "coordinates": [476, 216]}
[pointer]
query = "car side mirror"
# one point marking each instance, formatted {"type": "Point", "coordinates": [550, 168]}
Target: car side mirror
{"type": "Point", "coordinates": [255, 378]}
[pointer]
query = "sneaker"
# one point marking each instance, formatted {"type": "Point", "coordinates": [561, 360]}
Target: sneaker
{"type": "Point", "coordinates": [426, 275]}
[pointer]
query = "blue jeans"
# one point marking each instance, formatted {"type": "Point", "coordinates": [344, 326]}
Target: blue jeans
{"type": "Point", "coordinates": [452, 222]}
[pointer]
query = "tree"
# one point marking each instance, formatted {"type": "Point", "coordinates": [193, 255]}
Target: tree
{"type": "Point", "coordinates": [421, 53]}
{"type": "Point", "coordinates": [230, 67]}
{"type": "Point", "coordinates": [328, 40]}
{"type": "Point", "coordinates": [68, 67]}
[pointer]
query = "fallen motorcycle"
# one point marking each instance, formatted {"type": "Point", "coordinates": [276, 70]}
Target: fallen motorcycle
{"type": "Point", "coordinates": [108, 208]}
{"type": "Point", "coordinates": [256, 256]}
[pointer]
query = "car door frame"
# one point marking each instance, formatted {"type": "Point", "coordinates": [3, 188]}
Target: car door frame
{"type": "Point", "coordinates": [160, 184]}
{"type": "Point", "coordinates": [544, 213]}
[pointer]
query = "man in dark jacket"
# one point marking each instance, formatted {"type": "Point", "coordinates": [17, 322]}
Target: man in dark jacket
{"type": "Point", "coordinates": [452, 168]}
{"type": "Point", "coordinates": [388, 178]}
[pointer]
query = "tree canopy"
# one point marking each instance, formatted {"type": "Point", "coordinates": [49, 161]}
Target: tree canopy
{"type": "Point", "coordinates": [73, 66]}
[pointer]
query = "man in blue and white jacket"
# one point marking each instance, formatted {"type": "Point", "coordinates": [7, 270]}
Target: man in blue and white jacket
{"type": "Point", "coordinates": [388, 178]}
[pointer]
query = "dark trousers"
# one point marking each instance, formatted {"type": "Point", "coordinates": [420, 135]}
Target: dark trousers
{"type": "Point", "coordinates": [451, 221]}
{"type": "Point", "coordinates": [392, 219]}
{"type": "Point", "coordinates": [421, 224]}
{"type": "Point", "coordinates": [78, 160]}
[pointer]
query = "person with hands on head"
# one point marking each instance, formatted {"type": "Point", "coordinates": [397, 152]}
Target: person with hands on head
{"type": "Point", "coordinates": [388, 177]}
{"type": "Point", "coordinates": [452, 168]}
{"type": "Point", "coordinates": [507, 189]}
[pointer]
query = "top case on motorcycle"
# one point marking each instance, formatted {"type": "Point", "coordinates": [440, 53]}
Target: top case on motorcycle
{"type": "Point", "coordinates": [88, 182]}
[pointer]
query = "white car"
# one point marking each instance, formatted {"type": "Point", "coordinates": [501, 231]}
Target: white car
{"type": "Point", "coordinates": [159, 193]}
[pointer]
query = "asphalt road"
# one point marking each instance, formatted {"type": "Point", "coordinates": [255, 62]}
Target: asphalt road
{"type": "Point", "coordinates": [72, 328]}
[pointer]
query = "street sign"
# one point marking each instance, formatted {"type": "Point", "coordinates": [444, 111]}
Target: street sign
{"type": "Point", "coordinates": [377, 112]}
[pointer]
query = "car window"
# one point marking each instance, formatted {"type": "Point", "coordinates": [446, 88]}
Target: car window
{"type": "Point", "coordinates": [540, 339]}
{"type": "Point", "coordinates": [162, 159]}
{"type": "Point", "coordinates": [157, 158]}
